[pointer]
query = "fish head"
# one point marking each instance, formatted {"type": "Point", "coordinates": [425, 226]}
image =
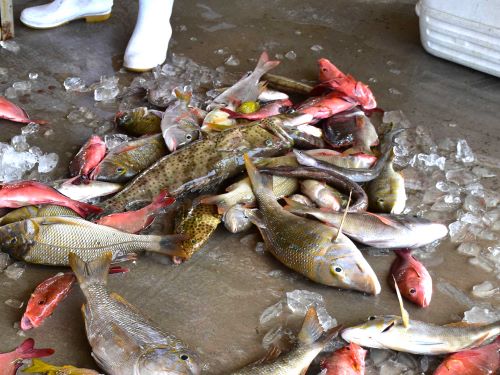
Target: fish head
{"type": "Point", "coordinates": [167, 360]}
{"type": "Point", "coordinates": [328, 71]}
{"type": "Point", "coordinates": [17, 238]}
{"type": "Point", "coordinates": [236, 220]}
{"type": "Point", "coordinates": [343, 266]}
{"type": "Point", "coordinates": [373, 332]}
{"type": "Point", "coordinates": [417, 290]}
{"type": "Point", "coordinates": [180, 135]}
{"type": "Point", "coordinates": [114, 170]}
{"type": "Point", "coordinates": [267, 138]}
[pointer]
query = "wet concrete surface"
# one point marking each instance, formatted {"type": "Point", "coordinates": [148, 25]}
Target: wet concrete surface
{"type": "Point", "coordinates": [213, 302]}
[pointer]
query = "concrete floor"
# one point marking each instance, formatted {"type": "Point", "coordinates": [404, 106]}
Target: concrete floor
{"type": "Point", "coordinates": [213, 302]}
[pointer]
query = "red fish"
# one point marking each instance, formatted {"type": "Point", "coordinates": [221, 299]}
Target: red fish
{"type": "Point", "coordinates": [48, 294]}
{"type": "Point", "coordinates": [321, 107]}
{"type": "Point", "coordinates": [273, 108]}
{"type": "Point", "coordinates": [350, 360]}
{"type": "Point", "coordinates": [25, 193]}
{"type": "Point", "coordinates": [331, 78]}
{"type": "Point", "coordinates": [412, 278]}
{"type": "Point", "coordinates": [484, 360]}
{"type": "Point", "coordinates": [89, 156]}
{"type": "Point", "coordinates": [10, 362]}
{"type": "Point", "coordinates": [135, 221]}
{"type": "Point", "coordinates": [12, 112]}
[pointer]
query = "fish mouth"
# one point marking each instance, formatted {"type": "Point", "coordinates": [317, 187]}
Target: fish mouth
{"type": "Point", "coordinates": [171, 144]}
{"type": "Point", "coordinates": [26, 323]}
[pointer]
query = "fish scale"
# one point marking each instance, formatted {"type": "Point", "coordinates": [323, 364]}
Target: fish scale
{"type": "Point", "coordinates": [202, 164]}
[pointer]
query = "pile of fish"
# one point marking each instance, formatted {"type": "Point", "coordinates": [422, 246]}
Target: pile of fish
{"type": "Point", "coordinates": [311, 167]}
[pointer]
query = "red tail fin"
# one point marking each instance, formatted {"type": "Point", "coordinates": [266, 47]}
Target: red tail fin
{"type": "Point", "coordinates": [163, 200]}
{"type": "Point", "coordinates": [86, 209]}
{"type": "Point", "coordinates": [27, 350]}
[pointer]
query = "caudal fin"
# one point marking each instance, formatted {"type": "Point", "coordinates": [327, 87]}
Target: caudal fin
{"type": "Point", "coordinates": [162, 201]}
{"type": "Point", "coordinates": [170, 245]}
{"type": "Point", "coordinates": [261, 183]}
{"type": "Point", "coordinates": [86, 209]}
{"type": "Point", "coordinates": [264, 64]}
{"type": "Point", "coordinates": [93, 272]}
{"type": "Point", "coordinates": [312, 332]}
{"type": "Point", "coordinates": [296, 207]}
{"type": "Point", "coordinates": [27, 350]}
{"type": "Point", "coordinates": [39, 366]}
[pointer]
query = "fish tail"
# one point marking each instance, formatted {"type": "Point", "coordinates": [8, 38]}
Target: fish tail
{"type": "Point", "coordinates": [295, 207]}
{"type": "Point", "coordinates": [37, 365]}
{"type": "Point", "coordinates": [170, 245]}
{"type": "Point", "coordinates": [27, 350]}
{"type": "Point", "coordinates": [261, 183]}
{"type": "Point", "coordinates": [264, 64]}
{"type": "Point", "coordinates": [94, 272]}
{"type": "Point", "coordinates": [86, 209]}
{"type": "Point", "coordinates": [312, 332]}
{"type": "Point", "coordinates": [162, 200]}
{"type": "Point", "coordinates": [223, 201]}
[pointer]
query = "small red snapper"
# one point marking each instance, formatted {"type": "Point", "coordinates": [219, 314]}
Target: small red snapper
{"type": "Point", "coordinates": [349, 360]}
{"type": "Point", "coordinates": [135, 221]}
{"type": "Point", "coordinates": [48, 294]}
{"type": "Point", "coordinates": [12, 112]}
{"type": "Point", "coordinates": [25, 193]}
{"type": "Point", "coordinates": [271, 109]}
{"type": "Point", "coordinates": [412, 278]}
{"type": "Point", "coordinates": [89, 156]}
{"type": "Point", "coordinates": [484, 360]}
{"type": "Point", "coordinates": [325, 106]}
{"type": "Point", "coordinates": [10, 362]}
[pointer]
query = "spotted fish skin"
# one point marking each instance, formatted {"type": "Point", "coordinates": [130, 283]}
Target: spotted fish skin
{"type": "Point", "coordinates": [197, 224]}
{"type": "Point", "coordinates": [202, 164]}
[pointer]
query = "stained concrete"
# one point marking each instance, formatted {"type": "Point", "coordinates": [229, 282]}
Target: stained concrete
{"type": "Point", "coordinates": [213, 302]}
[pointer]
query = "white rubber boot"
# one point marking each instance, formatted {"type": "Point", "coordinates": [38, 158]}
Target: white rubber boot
{"type": "Point", "coordinates": [59, 12]}
{"type": "Point", "coordinates": [148, 45]}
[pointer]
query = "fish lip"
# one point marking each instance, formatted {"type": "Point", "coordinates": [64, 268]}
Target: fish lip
{"type": "Point", "coordinates": [26, 323]}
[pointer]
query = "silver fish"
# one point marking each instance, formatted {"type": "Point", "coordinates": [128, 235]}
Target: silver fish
{"type": "Point", "coordinates": [86, 191]}
{"type": "Point", "coordinates": [123, 340]}
{"type": "Point", "coordinates": [236, 220]}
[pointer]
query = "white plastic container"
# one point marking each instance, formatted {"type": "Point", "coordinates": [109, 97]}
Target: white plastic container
{"type": "Point", "coordinates": [464, 31]}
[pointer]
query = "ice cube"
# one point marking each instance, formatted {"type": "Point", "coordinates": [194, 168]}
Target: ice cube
{"type": "Point", "coordinates": [15, 270]}
{"type": "Point", "coordinates": [469, 248]}
{"type": "Point", "coordinates": [485, 290]}
{"type": "Point", "coordinates": [291, 55]}
{"type": "Point", "coordinates": [102, 94]}
{"type": "Point", "coordinates": [115, 140]}
{"type": "Point", "coordinates": [392, 367]}
{"type": "Point", "coordinates": [448, 187]}
{"type": "Point", "coordinates": [316, 48]}
{"type": "Point", "coordinates": [48, 133]}
{"type": "Point", "coordinates": [395, 71]}
{"type": "Point", "coordinates": [481, 263]}
{"type": "Point", "coordinates": [446, 144]}
{"type": "Point", "coordinates": [74, 84]}
{"type": "Point", "coordinates": [446, 204]}
{"type": "Point", "coordinates": [461, 176]}
{"type": "Point", "coordinates": [476, 189]}
{"type": "Point", "coordinates": [271, 314]}
{"type": "Point", "coordinates": [464, 152]}
{"type": "Point", "coordinates": [222, 51]}
{"type": "Point", "coordinates": [455, 293]}
{"type": "Point", "coordinates": [35, 150]}
{"type": "Point", "coordinates": [491, 198]}
{"type": "Point", "coordinates": [10, 93]}
{"type": "Point", "coordinates": [14, 303]}
{"type": "Point", "coordinates": [299, 301]}
{"type": "Point", "coordinates": [481, 315]}
{"type": "Point", "coordinates": [452, 199]}
{"type": "Point", "coordinates": [33, 76]}
{"type": "Point", "coordinates": [431, 160]}
{"type": "Point", "coordinates": [260, 248]}
{"type": "Point", "coordinates": [483, 172]}
{"type": "Point", "coordinates": [22, 86]}
{"type": "Point", "coordinates": [232, 61]}
{"type": "Point", "coordinates": [276, 274]}
{"type": "Point", "coordinates": [47, 162]}
{"type": "Point", "coordinates": [19, 143]}
{"type": "Point", "coordinates": [394, 91]}
{"type": "Point", "coordinates": [10, 45]}
{"type": "Point", "coordinates": [82, 114]}
{"type": "Point", "coordinates": [4, 261]}
{"type": "Point", "coordinates": [470, 218]}
{"type": "Point", "coordinates": [474, 204]}
{"type": "Point", "coordinates": [29, 129]}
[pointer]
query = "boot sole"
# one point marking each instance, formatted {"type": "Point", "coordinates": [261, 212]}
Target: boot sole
{"type": "Point", "coordinates": [88, 19]}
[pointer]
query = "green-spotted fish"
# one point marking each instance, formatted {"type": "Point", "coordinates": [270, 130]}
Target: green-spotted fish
{"type": "Point", "coordinates": [49, 240]}
{"type": "Point", "coordinates": [123, 340]}
{"type": "Point", "coordinates": [311, 341]}
{"type": "Point", "coordinates": [139, 121]}
{"type": "Point", "coordinates": [313, 249]}
{"type": "Point", "coordinates": [197, 224]}
{"type": "Point", "coordinates": [28, 212]}
{"type": "Point", "coordinates": [203, 164]}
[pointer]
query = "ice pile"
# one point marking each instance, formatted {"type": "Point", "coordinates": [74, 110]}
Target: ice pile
{"type": "Point", "coordinates": [388, 362]}
{"type": "Point", "coordinates": [481, 315]}
{"type": "Point", "coordinates": [448, 185]}
{"type": "Point", "coordinates": [292, 308]}
{"type": "Point", "coordinates": [114, 140]}
{"type": "Point", "coordinates": [74, 84]}
{"type": "Point", "coordinates": [107, 89]}
{"type": "Point", "coordinates": [17, 159]}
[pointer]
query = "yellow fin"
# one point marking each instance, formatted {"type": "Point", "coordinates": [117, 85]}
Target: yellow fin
{"type": "Point", "coordinates": [311, 328]}
{"type": "Point", "coordinates": [124, 302]}
{"type": "Point", "coordinates": [404, 314]}
{"type": "Point", "coordinates": [37, 365]}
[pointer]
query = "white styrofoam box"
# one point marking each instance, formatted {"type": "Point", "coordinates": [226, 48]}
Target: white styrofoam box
{"type": "Point", "coordinates": [466, 32]}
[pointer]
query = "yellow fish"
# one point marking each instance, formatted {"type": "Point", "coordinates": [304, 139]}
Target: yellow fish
{"type": "Point", "coordinates": [42, 367]}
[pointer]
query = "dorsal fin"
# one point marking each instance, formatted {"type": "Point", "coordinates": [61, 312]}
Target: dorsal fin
{"type": "Point", "coordinates": [311, 329]}
{"type": "Point", "coordinates": [272, 353]}
{"type": "Point", "coordinates": [383, 219]}
{"type": "Point", "coordinates": [404, 314]}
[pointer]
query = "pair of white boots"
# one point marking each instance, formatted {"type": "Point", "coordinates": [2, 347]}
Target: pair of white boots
{"type": "Point", "coordinates": [148, 45]}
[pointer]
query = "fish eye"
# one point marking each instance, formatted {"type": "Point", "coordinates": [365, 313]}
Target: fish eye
{"type": "Point", "coordinates": [324, 69]}
{"type": "Point", "coordinates": [335, 269]}
{"type": "Point", "coordinates": [413, 291]}
{"type": "Point", "coordinates": [380, 200]}
{"type": "Point", "coordinates": [371, 318]}
{"type": "Point", "coordinates": [184, 357]}
{"type": "Point", "coordinates": [269, 142]}
{"type": "Point", "coordinates": [42, 302]}
{"type": "Point", "coordinates": [13, 241]}
{"type": "Point", "coordinates": [120, 170]}
{"type": "Point", "coordinates": [189, 137]}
